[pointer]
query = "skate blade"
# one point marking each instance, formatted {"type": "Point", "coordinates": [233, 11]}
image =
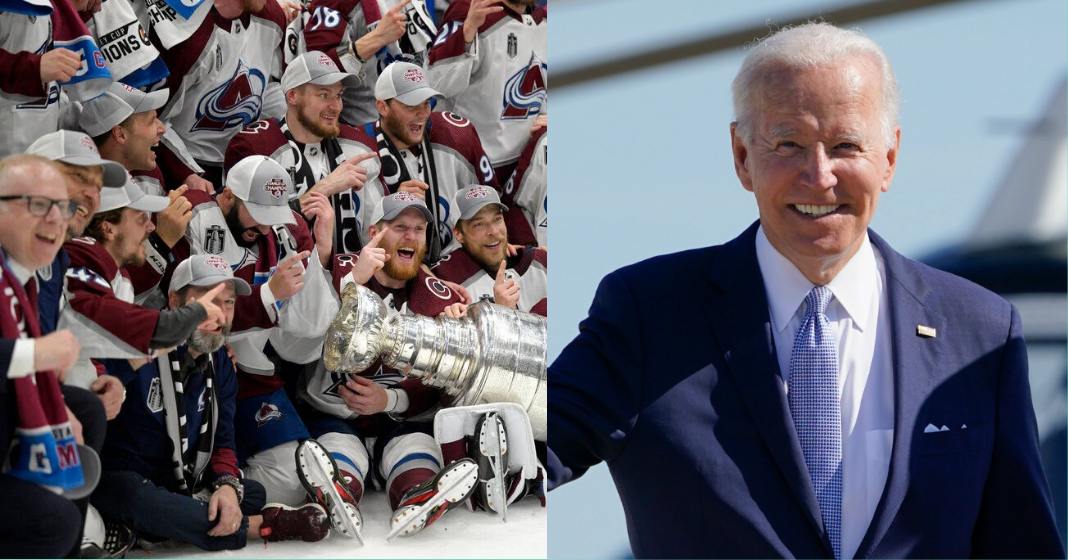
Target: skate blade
{"type": "Point", "coordinates": [495, 446]}
{"type": "Point", "coordinates": [454, 486]}
{"type": "Point", "coordinates": [317, 462]}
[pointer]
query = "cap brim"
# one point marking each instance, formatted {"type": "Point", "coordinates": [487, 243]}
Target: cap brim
{"type": "Point", "coordinates": [417, 96]}
{"type": "Point", "coordinates": [472, 211]}
{"type": "Point", "coordinates": [90, 472]}
{"type": "Point", "coordinates": [241, 287]}
{"type": "Point", "coordinates": [153, 101]}
{"type": "Point", "coordinates": [150, 203]}
{"type": "Point", "coordinates": [346, 79]}
{"type": "Point", "coordinates": [114, 174]}
{"type": "Point", "coordinates": [270, 215]}
{"type": "Point", "coordinates": [422, 209]}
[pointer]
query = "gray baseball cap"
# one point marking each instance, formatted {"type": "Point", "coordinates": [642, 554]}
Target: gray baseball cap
{"type": "Point", "coordinates": [472, 198]}
{"type": "Point", "coordinates": [77, 148]}
{"type": "Point", "coordinates": [206, 271]}
{"type": "Point", "coordinates": [264, 186]}
{"type": "Point", "coordinates": [115, 105]}
{"type": "Point", "coordinates": [404, 82]}
{"type": "Point", "coordinates": [391, 206]}
{"type": "Point", "coordinates": [315, 67]}
{"type": "Point", "coordinates": [131, 196]}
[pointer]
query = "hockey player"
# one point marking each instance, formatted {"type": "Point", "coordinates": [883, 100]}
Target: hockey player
{"type": "Point", "coordinates": [125, 127]}
{"type": "Point", "coordinates": [34, 521]}
{"type": "Point", "coordinates": [423, 151]}
{"type": "Point", "coordinates": [326, 156]}
{"type": "Point", "coordinates": [482, 264]}
{"type": "Point", "coordinates": [372, 403]}
{"type": "Point", "coordinates": [223, 77]}
{"type": "Point", "coordinates": [489, 63]}
{"type": "Point", "coordinates": [525, 192]}
{"type": "Point", "coordinates": [173, 442]}
{"type": "Point", "coordinates": [365, 36]}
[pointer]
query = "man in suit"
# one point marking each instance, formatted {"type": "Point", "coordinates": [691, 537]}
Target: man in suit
{"type": "Point", "coordinates": [821, 395]}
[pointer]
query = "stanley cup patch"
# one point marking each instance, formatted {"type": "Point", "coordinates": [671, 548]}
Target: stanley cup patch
{"type": "Point", "coordinates": [214, 240]}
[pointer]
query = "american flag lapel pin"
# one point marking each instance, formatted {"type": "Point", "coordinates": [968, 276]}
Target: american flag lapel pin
{"type": "Point", "coordinates": [926, 332]}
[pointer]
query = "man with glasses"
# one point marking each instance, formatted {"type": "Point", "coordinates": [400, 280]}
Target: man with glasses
{"type": "Point", "coordinates": [35, 520]}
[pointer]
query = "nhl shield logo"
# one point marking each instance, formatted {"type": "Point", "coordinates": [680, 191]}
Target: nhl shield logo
{"type": "Point", "coordinates": [513, 45]}
{"type": "Point", "coordinates": [214, 240]}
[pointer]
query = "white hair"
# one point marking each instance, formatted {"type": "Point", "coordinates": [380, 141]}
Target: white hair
{"type": "Point", "coordinates": [806, 46]}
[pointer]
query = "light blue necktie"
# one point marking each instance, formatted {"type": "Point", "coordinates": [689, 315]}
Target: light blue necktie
{"type": "Point", "coordinates": [813, 398]}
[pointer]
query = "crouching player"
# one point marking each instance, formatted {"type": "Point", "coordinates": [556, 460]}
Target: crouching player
{"type": "Point", "coordinates": [170, 470]}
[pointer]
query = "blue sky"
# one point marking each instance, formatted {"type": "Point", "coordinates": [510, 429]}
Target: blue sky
{"type": "Point", "coordinates": [641, 163]}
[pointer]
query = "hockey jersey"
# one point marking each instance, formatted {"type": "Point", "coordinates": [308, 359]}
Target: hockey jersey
{"type": "Point", "coordinates": [422, 295]}
{"type": "Point", "coordinates": [499, 81]}
{"type": "Point", "coordinates": [28, 109]}
{"type": "Point", "coordinates": [459, 161]}
{"type": "Point", "coordinates": [256, 319]}
{"type": "Point", "coordinates": [526, 196]}
{"type": "Point", "coordinates": [223, 77]}
{"type": "Point", "coordinates": [529, 268]}
{"type": "Point", "coordinates": [311, 163]}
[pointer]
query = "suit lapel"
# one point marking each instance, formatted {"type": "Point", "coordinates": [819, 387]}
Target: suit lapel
{"type": "Point", "coordinates": [914, 362]}
{"type": "Point", "coordinates": [738, 311]}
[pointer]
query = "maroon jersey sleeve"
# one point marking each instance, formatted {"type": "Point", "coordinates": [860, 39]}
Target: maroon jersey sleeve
{"type": "Point", "coordinates": [320, 35]}
{"type": "Point", "coordinates": [450, 40]}
{"type": "Point", "coordinates": [456, 267]}
{"type": "Point", "coordinates": [260, 138]}
{"type": "Point", "coordinates": [92, 296]}
{"type": "Point", "coordinates": [22, 73]}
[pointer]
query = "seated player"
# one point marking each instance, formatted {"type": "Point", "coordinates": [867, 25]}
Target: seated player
{"type": "Point", "coordinates": [380, 402]}
{"type": "Point", "coordinates": [173, 442]}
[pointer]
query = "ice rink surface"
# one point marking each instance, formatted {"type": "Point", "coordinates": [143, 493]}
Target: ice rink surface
{"type": "Point", "coordinates": [459, 534]}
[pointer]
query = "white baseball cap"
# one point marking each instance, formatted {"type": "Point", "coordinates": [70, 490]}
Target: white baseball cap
{"type": "Point", "coordinates": [115, 105]}
{"type": "Point", "coordinates": [315, 67]}
{"type": "Point", "coordinates": [404, 82]}
{"type": "Point", "coordinates": [264, 186]}
{"type": "Point", "coordinates": [206, 271]}
{"type": "Point", "coordinates": [131, 196]}
{"type": "Point", "coordinates": [77, 148]}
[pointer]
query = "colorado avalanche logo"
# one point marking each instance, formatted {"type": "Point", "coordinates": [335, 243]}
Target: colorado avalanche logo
{"type": "Point", "coordinates": [524, 92]}
{"type": "Point", "coordinates": [266, 413]}
{"type": "Point", "coordinates": [236, 102]}
{"type": "Point", "coordinates": [438, 288]}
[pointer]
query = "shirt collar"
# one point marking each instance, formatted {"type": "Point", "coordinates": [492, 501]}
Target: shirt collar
{"type": "Point", "coordinates": [21, 272]}
{"type": "Point", "coordinates": [786, 287]}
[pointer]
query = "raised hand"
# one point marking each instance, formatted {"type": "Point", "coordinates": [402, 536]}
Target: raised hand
{"type": "Point", "coordinates": [505, 289]}
{"type": "Point", "coordinates": [348, 175]}
{"type": "Point", "coordinates": [216, 317]}
{"type": "Point", "coordinates": [59, 65]}
{"type": "Point", "coordinates": [372, 258]}
{"type": "Point", "coordinates": [476, 16]}
{"type": "Point", "coordinates": [288, 277]}
{"type": "Point", "coordinates": [172, 222]}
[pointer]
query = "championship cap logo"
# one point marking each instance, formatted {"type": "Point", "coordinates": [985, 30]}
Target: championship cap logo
{"type": "Point", "coordinates": [405, 196]}
{"type": "Point", "coordinates": [476, 192]}
{"type": "Point", "coordinates": [89, 145]}
{"type": "Point", "coordinates": [217, 263]}
{"type": "Point", "coordinates": [325, 61]}
{"type": "Point", "coordinates": [414, 75]}
{"type": "Point", "coordinates": [275, 186]}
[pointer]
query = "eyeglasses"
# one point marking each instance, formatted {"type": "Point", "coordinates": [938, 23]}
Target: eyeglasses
{"type": "Point", "coordinates": [42, 205]}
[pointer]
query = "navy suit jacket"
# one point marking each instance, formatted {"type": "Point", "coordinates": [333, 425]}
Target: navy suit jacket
{"type": "Point", "coordinates": [673, 381]}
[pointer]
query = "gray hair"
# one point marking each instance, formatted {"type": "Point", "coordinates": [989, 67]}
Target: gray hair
{"type": "Point", "coordinates": [805, 46]}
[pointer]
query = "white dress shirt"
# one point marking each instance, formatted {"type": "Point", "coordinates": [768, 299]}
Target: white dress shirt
{"type": "Point", "coordinates": [865, 371]}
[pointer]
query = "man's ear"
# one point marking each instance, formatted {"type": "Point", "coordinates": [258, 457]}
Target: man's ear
{"type": "Point", "coordinates": [741, 157]}
{"type": "Point", "coordinates": [118, 133]}
{"type": "Point", "coordinates": [458, 233]}
{"type": "Point", "coordinates": [381, 106]}
{"type": "Point", "coordinates": [891, 160]}
{"type": "Point", "coordinates": [291, 97]}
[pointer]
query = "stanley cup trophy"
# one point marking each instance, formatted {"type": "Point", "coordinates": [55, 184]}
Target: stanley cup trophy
{"type": "Point", "coordinates": [494, 354]}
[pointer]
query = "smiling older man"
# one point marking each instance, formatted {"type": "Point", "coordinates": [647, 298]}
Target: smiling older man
{"type": "Point", "coordinates": [819, 395]}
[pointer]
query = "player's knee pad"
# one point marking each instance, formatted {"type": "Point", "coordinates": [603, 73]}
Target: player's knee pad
{"type": "Point", "coordinates": [348, 452]}
{"type": "Point", "coordinates": [407, 452]}
{"type": "Point", "coordinates": [276, 470]}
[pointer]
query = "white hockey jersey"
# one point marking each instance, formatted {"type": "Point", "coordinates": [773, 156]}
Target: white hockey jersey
{"type": "Point", "coordinates": [499, 81]}
{"type": "Point", "coordinates": [28, 110]}
{"type": "Point", "coordinates": [527, 189]}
